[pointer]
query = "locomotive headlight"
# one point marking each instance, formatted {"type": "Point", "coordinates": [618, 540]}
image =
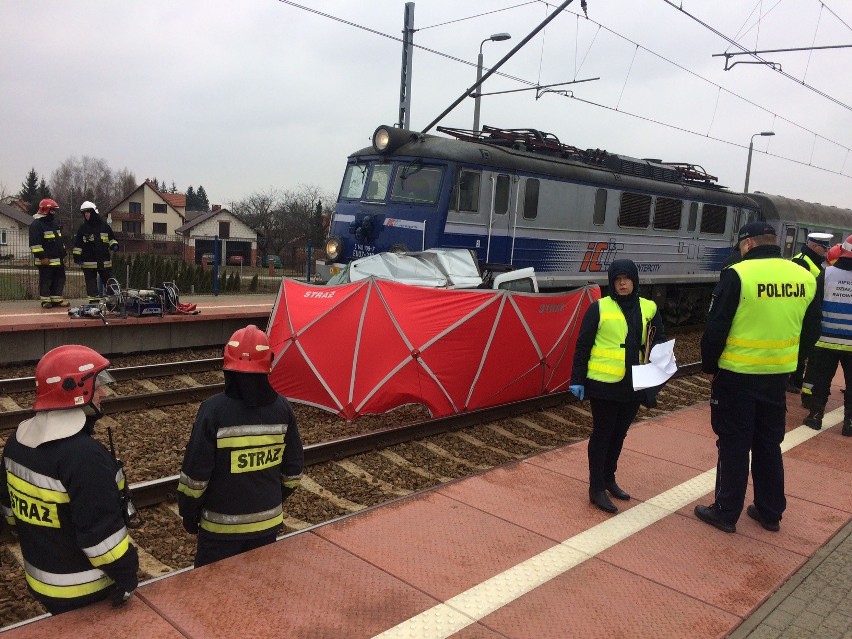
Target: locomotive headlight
{"type": "Point", "coordinates": [381, 139]}
{"type": "Point", "coordinates": [333, 247]}
{"type": "Point", "coordinates": [387, 139]}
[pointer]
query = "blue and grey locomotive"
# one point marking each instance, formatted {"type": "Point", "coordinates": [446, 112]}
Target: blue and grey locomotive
{"type": "Point", "coordinates": [520, 198]}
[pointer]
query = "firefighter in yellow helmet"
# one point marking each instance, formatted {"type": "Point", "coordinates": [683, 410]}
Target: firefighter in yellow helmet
{"type": "Point", "coordinates": [243, 459]}
{"type": "Point", "coordinates": [61, 489]}
{"type": "Point", "coordinates": [761, 309]}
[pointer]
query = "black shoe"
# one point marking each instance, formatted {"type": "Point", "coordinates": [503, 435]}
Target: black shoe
{"type": "Point", "coordinates": [814, 419]}
{"type": "Point", "coordinates": [603, 502]}
{"type": "Point", "coordinates": [616, 491]}
{"type": "Point", "coordinates": [710, 515]}
{"type": "Point", "coordinates": [754, 513]}
{"type": "Point", "coordinates": [847, 428]}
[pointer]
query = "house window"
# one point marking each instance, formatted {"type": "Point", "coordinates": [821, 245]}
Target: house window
{"type": "Point", "coordinates": [134, 228]}
{"type": "Point", "coordinates": [224, 230]}
{"type": "Point", "coordinates": [3, 237]}
{"type": "Point", "coordinates": [159, 208]}
{"type": "Point", "coordinates": [159, 228]}
{"type": "Point", "coordinates": [136, 207]}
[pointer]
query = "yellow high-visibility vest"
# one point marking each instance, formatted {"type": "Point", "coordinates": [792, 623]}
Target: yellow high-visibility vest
{"type": "Point", "coordinates": [764, 336]}
{"type": "Point", "coordinates": [606, 363]}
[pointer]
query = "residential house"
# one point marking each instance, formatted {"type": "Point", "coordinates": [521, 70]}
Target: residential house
{"type": "Point", "coordinates": [14, 233]}
{"type": "Point", "coordinates": [237, 241]}
{"type": "Point", "coordinates": [147, 220]}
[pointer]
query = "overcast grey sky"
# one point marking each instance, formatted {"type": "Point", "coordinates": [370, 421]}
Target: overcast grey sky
{"type": "Point", "coordinates": [241, 96]}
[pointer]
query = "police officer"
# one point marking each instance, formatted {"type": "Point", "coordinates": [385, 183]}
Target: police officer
{"type": "Point", "coordinates": [811, 257]}
{"type": "Point", "coordinates": [60, 489]}
{"type": "Point", "coordinates": [761, 309]}
{"type": "Point", "coordinates": [94, 244]}
{"type": "Point", "coordinates": [244, 457]}
{"type": "Point", "coordinates": [835, 341]}
{"type": "Point", "coordinates": [48, 249]}
{"type": "Point", "coordinates": [611, 340]}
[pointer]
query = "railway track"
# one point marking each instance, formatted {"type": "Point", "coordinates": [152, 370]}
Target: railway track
{"type": "Point", "coordinates": [345, 472]}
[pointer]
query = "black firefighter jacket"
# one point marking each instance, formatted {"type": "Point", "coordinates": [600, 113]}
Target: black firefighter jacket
{"type": "Point", "coordinates": [240, 464]}
{"type": "Point", "coordinates": [94, 243]}
{"type": "Point", "coordinates": [63, 497]}
{"type": "Point", "coordinates": [46, 240]}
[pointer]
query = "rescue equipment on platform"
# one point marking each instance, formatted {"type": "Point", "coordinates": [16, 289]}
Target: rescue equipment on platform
{"type": "Point", "coordinates": [154, 302]}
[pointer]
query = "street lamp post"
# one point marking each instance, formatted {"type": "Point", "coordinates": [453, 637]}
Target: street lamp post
{"type": "Point", "coordinates": [497, 37]}
{"type": "Point", "coordinates": [750, 149]}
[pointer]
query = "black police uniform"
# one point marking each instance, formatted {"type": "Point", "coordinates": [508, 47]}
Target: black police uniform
{"type": "Point", "coordinates": [797, 376]}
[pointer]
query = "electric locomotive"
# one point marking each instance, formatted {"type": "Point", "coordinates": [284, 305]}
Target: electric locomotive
{"type": "Point", "coordinates": [521, 198]}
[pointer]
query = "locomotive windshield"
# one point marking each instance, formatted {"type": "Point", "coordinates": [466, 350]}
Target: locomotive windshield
{"type": "Point", "coordinates": [353, 181]}
{"type": "Point", "coordinates": [416, 183]}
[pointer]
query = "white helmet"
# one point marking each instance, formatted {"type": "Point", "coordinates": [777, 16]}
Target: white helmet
{"type": "Point", "coordinates": [89, 206]}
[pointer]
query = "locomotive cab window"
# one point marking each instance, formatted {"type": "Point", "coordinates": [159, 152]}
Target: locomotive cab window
{"type": "Point", "coordinates": [377, 187]}
{"type": "Point", "coordinates": [466, 191]}
{"type": "Point", "coordinates": [713, 218]}
{"type": "Point", "coordinates": [353, 181]}
{"type": "Point", "coordinates": [531, 199]}
{"type": "Point", "coordinates": [417, 184]}
{"type": "Point", "coordinates": [667, 213]}
{"type": "Point", "coordinates": [635, 210]}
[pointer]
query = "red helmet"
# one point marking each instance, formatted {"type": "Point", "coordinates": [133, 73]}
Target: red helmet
{"type": "Point", "coordinates": [46, 205]}
{"type": "Point", "coordinates": [248, 351]}
{"type": "Point", "coordinates": [846, 247]}
{"type": "Point", "coordinates": [833, 254]}
{"type": "Point", "coordinates": [65, 377]}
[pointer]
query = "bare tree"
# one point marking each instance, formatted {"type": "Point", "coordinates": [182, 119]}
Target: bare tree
{"type": "Point", "coordinates": [87, 178]}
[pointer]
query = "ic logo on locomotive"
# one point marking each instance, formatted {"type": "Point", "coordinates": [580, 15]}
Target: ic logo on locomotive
{"type": "Point", "coordinates": [599, 256]}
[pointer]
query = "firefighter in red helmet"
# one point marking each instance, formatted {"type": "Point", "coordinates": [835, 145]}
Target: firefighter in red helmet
{"type": "Point", "coordinates": [61, 489]}
{"type": "Point", "coordinates": [48, 249]}
{"type": "Point", "coordinates": [834, 345]}
{"type": "Point", "coordinates": [243, 459]}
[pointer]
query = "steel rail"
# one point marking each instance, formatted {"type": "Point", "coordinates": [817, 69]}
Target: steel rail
{"type": "Point", "coordinates": [24, 384]}
{"type": "Point", "coordinates": [158, 490]}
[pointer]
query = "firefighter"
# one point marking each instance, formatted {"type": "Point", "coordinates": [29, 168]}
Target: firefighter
{"type": "Point", "coordinates": [834, 344]}
{"type": "Point", "coordinates": [93, 247]}
{"type": "Point", "coordinates": [244, 456]}
{"type": "Point", "coordinates": [48, 250]}
{"type": "Point", "coordinates": [811, 258]}
{"type": "Point", "coordinates": [61, 489]}
{"type": "Point", "coordinates": [761, 309]}
{"type": "Point", "coordinates": [611, 340]}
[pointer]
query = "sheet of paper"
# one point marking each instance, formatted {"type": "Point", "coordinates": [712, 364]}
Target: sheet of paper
{"type": "Point", "coordinates": [661, 367]}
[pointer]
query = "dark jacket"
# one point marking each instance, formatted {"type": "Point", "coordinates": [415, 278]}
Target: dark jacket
{"type": "Point", "coordinates": [72, 485]}
{"type": "Point", "coordinates": [723, 307]}
{"type": "Point", "coordinates": [817, 259]}
{"type": "Point", "coordinates": [622, 390]}
{"type": "Point", "coordinates": [46, 239]}
{"type": "Point", "coordinates": [94, 243]}
{"type": "Point", "coordinates": [242, 460]}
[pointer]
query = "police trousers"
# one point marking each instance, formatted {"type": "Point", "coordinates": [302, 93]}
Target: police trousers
{"type": "Point", "coordinates": [748, 413]}
{"type": "Point", "coordinates": [822, 365]}
{"type": "Point", "coordinates": [212, 549]}
{"type": "Point", "coordinates": [610, 423]}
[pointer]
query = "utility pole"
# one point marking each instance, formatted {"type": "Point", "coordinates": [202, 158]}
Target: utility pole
{"type": "Point", "coordinates": [405, 79]}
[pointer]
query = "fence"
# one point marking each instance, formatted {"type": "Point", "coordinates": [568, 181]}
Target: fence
{"type": "Point", "coordinates": [157, 262]}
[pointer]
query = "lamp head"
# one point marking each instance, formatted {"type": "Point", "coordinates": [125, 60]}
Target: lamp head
{"type": "Point", "coordinates": [497, 37]}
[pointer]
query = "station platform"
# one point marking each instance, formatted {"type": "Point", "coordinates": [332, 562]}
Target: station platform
{"type": "Point", "coordinates": [27, 331]}
{"type": "Point", "coordinates": [518, 552]}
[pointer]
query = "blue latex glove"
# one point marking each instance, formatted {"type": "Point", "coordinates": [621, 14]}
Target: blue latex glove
{"type": "Point", "coordinates": [579, 391]}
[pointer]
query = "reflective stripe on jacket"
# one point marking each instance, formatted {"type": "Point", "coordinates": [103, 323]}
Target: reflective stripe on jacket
{"type": "Point", "coordinates": [764, 335]}
{"type": "Point", "coordinates": [607, 360]}
{"type": "Point", "coordinates": [811, 265]}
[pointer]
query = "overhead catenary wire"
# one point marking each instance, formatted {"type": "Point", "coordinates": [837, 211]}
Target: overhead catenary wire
{"type": "Point", "coordinates": [601, 27]}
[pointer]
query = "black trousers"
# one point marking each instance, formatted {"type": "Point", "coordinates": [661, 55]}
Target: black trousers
{"type": "Point", "coordinates": [610, 423]}
{"type": "Point", "coordinates": [748, 413]}
{"type": "Point", "coordinates": [822, 365]}
{"type": "Point", "coordinates": [91, 277]}
{"type": "Point", "coordinates": [51, 282]}
{"type": "Point", "coordinates": [212, 549]}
